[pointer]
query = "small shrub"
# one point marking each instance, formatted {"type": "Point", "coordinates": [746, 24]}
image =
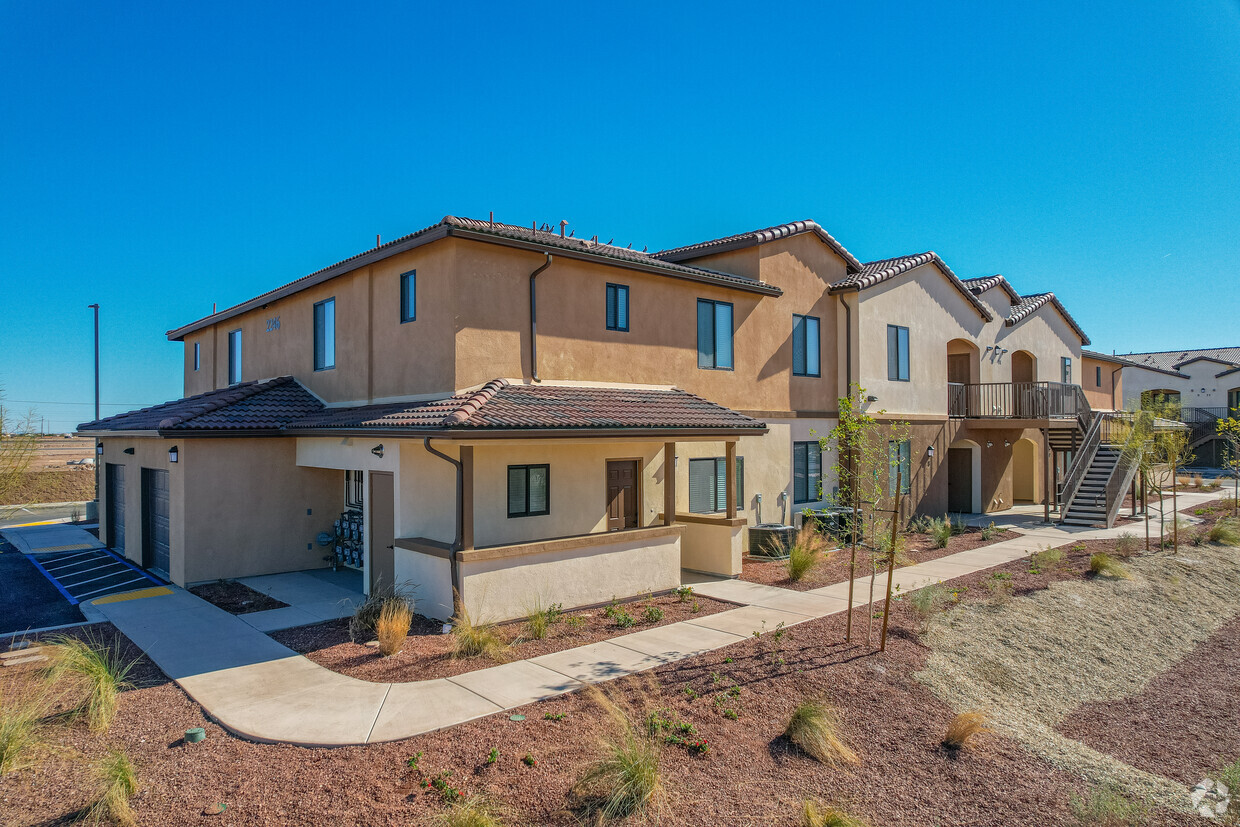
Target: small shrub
{"type": "Point", "coordinates": [94, 669]}
{"type": "Point", "coordinates": [1103, 564]}
{"type": "Point", "coordinates": [1045, 559]}
{"type": "Point", "coordinates": [493, 755]}
{"type": "Point", "coordinates": [806, 552]}
{"type": "Point", "coordinates": [941, 531]}
{"type": "Point", "coordinates": [622, 618]}
{"type": "Point", "coordinates": [117, 784]}
{"type": "Point", "coordinates": [814, 730]}
{"type": "Point", "coordinates": [884, 547]}
{"type": "Point", "coordinates": [448, 793]}
{"type": "Point", "coordinates": [626, 779]}
{"type": "Point", "coordinates": [920, 524]}
{"type": "Point", "coordinates": [471, 638]}
{"type": "Point", "coordinates": [1000, 586]}
{"type": "Point", "coordinates": [554, 716]}
{"type": "Point", "coordinates": [962, 728]}
{"type": "Point", "coordinates": [574, 622]}
{"type": "Point", "coordinates": [1198, 538]}
{"type": "Point", "coordinates": [694, 608]}
{"type": "Point", "coordinates": [926, 602]}
{"type": "Point", "coordinates": [816, 815]}
{"type": "Point", "coordinates": [652, 614]}
{"type": "Point", "coordinates": [529, 760]}
{"type": "Point", "coordinates": [1126, 544]}
{"type": "Point", "coordinates": [1107, 807]}
{"type": "Point", "coordinates": [393, 624]}
{"type": "Point", "coordinates": [21, 731]}
{"type": "Point", "coordinates": [365, 620]}
{"type": "Point", "coordinates": [684, 593]}
{"type": "Point", "coordinates": [472, 812]}
{"type": "Point", "coordinates": [540, 620]}
{"type": "Point", "coordinates": [990, 532]}
{"type": "Point", "coordinates": [1225, 532]}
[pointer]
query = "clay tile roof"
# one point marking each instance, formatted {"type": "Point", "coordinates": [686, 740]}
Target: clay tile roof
{"type": "Point", "coordinates": [265, 405]}
{"type": "Point", "coordinates": [877, 272]}
{"type": "Point", "coordinates": [1029, 304]}
{"type": "Point", "coordinates": [1169, 361]}
{"type": "Point", "coordinates": [979, 286]}
{"type": "Point", "coordinates": [754, 237]}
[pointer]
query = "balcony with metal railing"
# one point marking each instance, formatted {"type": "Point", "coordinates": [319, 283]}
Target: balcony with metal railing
{"type": "Point", "coordinates": [1017, 400]}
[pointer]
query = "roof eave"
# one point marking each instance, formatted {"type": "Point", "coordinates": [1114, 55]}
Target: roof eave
{"type": "Point", "coordinates": [689, 253]}
{"type": "Point", "coordinates": [404, 432]}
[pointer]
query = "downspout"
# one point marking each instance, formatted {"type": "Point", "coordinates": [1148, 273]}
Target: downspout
{"type": "Point", "coordinates": [460, 515]}
{"type": "Point", "coordinates": [847, 345]}
{"type": "Point", "coordinates": [534, 320]}
{"type": "Point", "coordinates": [1117, 370]}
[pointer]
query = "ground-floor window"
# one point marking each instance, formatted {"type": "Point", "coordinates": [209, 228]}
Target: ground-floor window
{"type": "Point", "coordinates": [529, 490]}
{"type": "Point", "coordinates": [708, 482]}
{"type": "Point", "coordinates": [806, 472]}
{"type": "Point", "coordinates": [900, 459]}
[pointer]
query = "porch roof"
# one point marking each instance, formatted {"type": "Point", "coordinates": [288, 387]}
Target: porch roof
{"type": "Point", "coordinates": [282, 407]}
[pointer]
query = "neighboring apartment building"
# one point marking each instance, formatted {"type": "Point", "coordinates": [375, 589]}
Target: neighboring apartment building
{"type": "Point", "coordinates": [517, 415]}
{"type": "Point", "coordinates": [1204, 384]}
{"type": "Point", "coordinates": [1102, 378]}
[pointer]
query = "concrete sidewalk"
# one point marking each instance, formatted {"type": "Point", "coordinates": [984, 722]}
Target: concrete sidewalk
{"type": "Point", "coordinates": [264, 691]}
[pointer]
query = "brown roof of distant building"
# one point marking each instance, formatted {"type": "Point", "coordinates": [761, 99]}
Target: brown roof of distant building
{"type": "Point", "coordinates": [755, 237]}
{"type": "Point", "coordinates": [1171, 360]}
{"type": "Point", "coordinates": [266, 405]}
{"type": "Point", "coordinates": [877, 272]}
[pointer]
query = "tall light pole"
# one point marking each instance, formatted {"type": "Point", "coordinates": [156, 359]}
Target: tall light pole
{"type": "Point", "coordinates": [96, 309]}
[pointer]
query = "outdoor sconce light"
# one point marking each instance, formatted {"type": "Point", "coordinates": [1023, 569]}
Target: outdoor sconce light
{"type": "Point", "coordinates": [871, 399]}
{"type": "Point", "coordinates": [99, 448]}
{"type": "Point", "coordinates": [129, 451]}
{"type": "Point", "coordinates": [989, 444]}
{"type": "Point", "coordinates": [1007, 444]}
{"type": "Point", "coordinates": [930, 452]}
{"type": "Point", "coordinates": [378, 450]}
{"type": "Point", "coordinates": [173, 454]}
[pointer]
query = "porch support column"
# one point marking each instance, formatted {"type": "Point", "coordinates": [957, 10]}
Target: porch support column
{"type": "Point", "coordinates": [1047, 483]}
{"type": "Point", "coordinates": [669, 483]}
{"type": "Point", "coordinates": [730, 491]}
{"type": "Point", "coordinates": [467, 497]}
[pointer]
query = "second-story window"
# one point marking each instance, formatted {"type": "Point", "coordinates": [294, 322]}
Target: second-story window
{"type": "Point", "coordinates": [325, 335]}
{"type": "Point", "coordinates": [897, 353]}
{"type": "Point", "coordinates": [714, 334]}
{"type": "Point", "coordinates": [806, 471]}
{"type": "Point", "coordinates": [805, 346]}
{"type": "Point", "coordinates": [1098, 376]}
{"type": "Point", "coordinates": [1066, 370]}
{"type": "Point", "coordinates": [197, 355]}
{"type": "Point", "coordinates": [617, 307]}
{"type": "Point", "coordinates": [408, 296]}
{"type": "Point", "coordinates": [234, 357]}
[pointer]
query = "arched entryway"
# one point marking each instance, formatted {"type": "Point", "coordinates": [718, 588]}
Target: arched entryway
{"type": "Point", "coordinates": [964, 477]}
{"type": "Point", "coordinates": [1024, 366]}
{"type": "Point", "coordinates": [1024, 392]}
{"type": "Point", "coordinates": [1025, 471]}
{"type": "Point", "coordinates": [963, 370]}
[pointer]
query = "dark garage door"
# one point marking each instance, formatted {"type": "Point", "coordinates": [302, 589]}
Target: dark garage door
{"type": "Point", "coordinates": [155, 519]}
{"type": "Point", "coordinates": [115, 488]}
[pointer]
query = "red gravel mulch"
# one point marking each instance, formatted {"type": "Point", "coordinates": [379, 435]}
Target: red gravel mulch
{"type": "Point", "coordinates": [750, 776]}
{"type": "Point", "coordinates": [427, 652]}
{"type": "Point", "coordinates": [1184, 725]}
{"type": "Point", "coordinates": [919, 547]}
{"type": "Point", "coordinates": [235, 597]}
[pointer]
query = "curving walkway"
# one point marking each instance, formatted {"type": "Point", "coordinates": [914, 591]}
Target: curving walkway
{"type": "Point", "coordinates": [264, 691]}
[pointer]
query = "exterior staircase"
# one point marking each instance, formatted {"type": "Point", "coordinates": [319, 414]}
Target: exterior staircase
{"type": "Point", "coordinates": [1089, 504]}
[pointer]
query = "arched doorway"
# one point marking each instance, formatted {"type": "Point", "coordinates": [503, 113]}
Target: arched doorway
{"type": "Point", "coordinates": [1024, 366]}
{"type": "Point", "coordinates": [1024, 392]}
{"type": "Point", "coordinates": [963, 369]}
{"type": "Point", "coordinates": [964, 477]}
{"type": "Point", "coordinates": [1025, 471]}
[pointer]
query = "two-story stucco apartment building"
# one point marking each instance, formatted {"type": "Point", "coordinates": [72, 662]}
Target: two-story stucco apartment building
{"type": "Point", "coordinates": [518, 415]}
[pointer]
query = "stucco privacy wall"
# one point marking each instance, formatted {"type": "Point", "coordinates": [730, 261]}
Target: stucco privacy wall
{"type": "Point", "coordinates": [148, 452]}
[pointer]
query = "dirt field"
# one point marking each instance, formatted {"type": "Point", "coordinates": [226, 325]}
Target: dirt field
{"type": "Point", "coordinates": [60, 485]}
{"type": "Point", "coordinates": [54, 452]}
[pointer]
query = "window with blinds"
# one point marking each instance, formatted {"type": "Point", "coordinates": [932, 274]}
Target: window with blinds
{"type": "Point", "coordinates": [806, 472]}
{"type": "Point", "coordinates": [617, 307]}
{"type": "Point", "coordinates": [708, 485]}
{"type": "Point", "coordinates": [529, 493]}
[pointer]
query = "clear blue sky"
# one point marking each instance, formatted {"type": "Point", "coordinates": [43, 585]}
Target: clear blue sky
{"type": "Point", "coordinates": [159, 157]}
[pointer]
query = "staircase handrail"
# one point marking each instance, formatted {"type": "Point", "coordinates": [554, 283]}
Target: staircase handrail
{"type": "Point", "coordinates": [1080, 464]}
{"type": "Point", "coordinates": [1125, 467]}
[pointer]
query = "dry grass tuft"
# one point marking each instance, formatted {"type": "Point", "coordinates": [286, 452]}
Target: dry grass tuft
{"type": "Point", "coordinates": [1107, 807]}
{"type": "Point", "coordinates": [540, 619]}
{"type": "Point", "coordinates": [962, 729]}
{"type": "Point", "coordinates": [626, 779]}
{"type": "Point", "coordinates": [365, 620]}
{"type": "Point", "coordinates": [93, 670]}
{"type": "Point", "coordinates": [815, 815]}
{"type": "Point", "coordinates": [927, 602]}
{"type": "Point", "coordinates": [118, 782]}
{"type": "Point", "coordinates": [472, 638]}
{"type": "Point", "coordinates": [807, 551]}
{"type": "Point", "coordinates": [1225, 532]}
{"type": "Point", "coordinates": [21, 731]}
{"type": "Point", "coordinates": [472, 812]}
{"type": "Point", "coordinates": [1046, 559]}
{"type": "Point", "coordinates": [814, 730]}
{"type": "Point", "coordinates": [392, 627]}
{"type": "Point", "coordinates": [1126, 544]}
{"type": "Point", "coordinates": [1103, 564]}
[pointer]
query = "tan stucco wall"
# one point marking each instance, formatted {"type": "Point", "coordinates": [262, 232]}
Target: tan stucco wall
{"type": "Point", "coordinates": [149, 452]}
{"type": "Point", "coordinates": [713, 549]}
{"type": "Point", "coordinates": [1107, 396]}
{"type": "Point", "coordinates": [429, 579]}
{"type": "Point", "coordinates": [1201, 389]}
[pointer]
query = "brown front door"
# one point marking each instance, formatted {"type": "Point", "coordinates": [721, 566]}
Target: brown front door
{"type": "Point", "coordinates": [382, 530]}
{"type": "Point", "coordinates": [958, 368]}
{"type": "Point", "coordinates": [959, 480]}
{"type": "Point", "coordinates": [621, 494]}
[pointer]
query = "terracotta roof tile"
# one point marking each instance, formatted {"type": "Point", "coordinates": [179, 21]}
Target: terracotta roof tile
{"type": "Point", "coordinates": [264, 405]}
{"type": "Point", "coordinates": [1171, 360]}
{"type": "Point", "coordinates": [877, 272]}
{"type": "Point", "coordinates": [753, 237]}
{"type": "Point", "coordinates": [1029, 304]}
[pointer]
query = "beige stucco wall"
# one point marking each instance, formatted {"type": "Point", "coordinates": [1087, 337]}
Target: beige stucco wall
{"type": "Point", "coordinates": [1107, 395]}
{"type": "Point", "coordinates": [429, 579]}
{"type": "Point", "coordinates": [1201, 389]}
{"type": "Point", "coordinates": [149, 452]}
{"type": "Point", "coordinates": [713, 548]}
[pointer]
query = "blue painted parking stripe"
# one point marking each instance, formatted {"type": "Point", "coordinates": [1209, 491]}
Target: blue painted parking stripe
{"type": "Point", "coordinates": [73, 601]}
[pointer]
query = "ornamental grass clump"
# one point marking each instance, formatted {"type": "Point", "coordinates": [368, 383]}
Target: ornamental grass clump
{"type": "Point", "coordinates": [807, 551]}
{"type": "Point", "coordinates": [474, 811]}
{"type": "Point", "coordinates": [365, 620]}
{"type": "Point", "coordinates": [118, 782]}
{"type": "Point", "coordinates": [962, 729]}
{"type": "Point", "coordinates": [814, 814]}
{"type": "Point", "coordinates": [814, 730]}
{"type": "Point", "coordinates": [1105, 806]}
{"type": "Point", "coordinates": [625, 780]}
{"type": "Point", "coordinates": [393, 624]}
{"type": "Point", "coordinates": [941, 531]}
{"type": "Point", "coordinates": [472, 638]}
{"type": "Point", "coordinates": [540, 619]}
{"type": "Point", "coordinates": [1225, 532]}
{"type": "Point", "coordinates": [1104, 565]}
{"type": "Point", "coordinates": [94, 671]}
{"type": "Point", "coordinates": [21, 730]}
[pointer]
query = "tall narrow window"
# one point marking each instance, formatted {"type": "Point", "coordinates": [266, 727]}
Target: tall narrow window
{"type": "Point", "coordinates": [408, 296]}
{"type": "Point", "coordinates": [234, 357]}
{"type": "Point", "coordinates": [714, 334]}
{"type": "Point", "coordinates": [529, 490]}
{"type": "Point", "coordinates": [900, 458]}
{"type": "Point", "coordinates": [708, 483]}
{"type": "Point", "coordinates": [1233, 401]}
{"type": "Point", "coordinates": [1066, 369]}
{"type": "Point", "coordinates": [805, 346]}
{"type": "Point", "coordinates": [806, 472]}
{"type": "Point", "coordinates": [325, 335]}
{"type": "Point", "coordinates": [617, 307]}
{"type": "Point", "coordinates": [897, 353]}
{"type": "Point", "coordinates": [197, 355]}
{"type": "Point", "coordinates": [1098, 376]}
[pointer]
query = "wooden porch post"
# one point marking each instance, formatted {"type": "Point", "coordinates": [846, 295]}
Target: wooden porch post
{"type": "Point", "coordinates": [730, 491]}
{"type": "Point", "coordinates": [1047, 483]}
{"type": "Point", "coordinates": [467, 497]}
{"type": "Point", "coordinates": [669, 483]}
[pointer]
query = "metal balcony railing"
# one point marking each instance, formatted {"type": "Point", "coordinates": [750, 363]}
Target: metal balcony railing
{"type": "Point", "coordinates": [1017, 400]}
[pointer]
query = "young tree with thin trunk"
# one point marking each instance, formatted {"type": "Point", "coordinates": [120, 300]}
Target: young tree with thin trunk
{"type": "Point", "coordinates": [18, 444]}
{"type": "Point", "coordinates": [1229, 430]}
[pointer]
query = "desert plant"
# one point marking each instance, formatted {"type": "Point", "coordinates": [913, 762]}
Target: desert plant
{"type": "Point", "coordinates": [1126, 544]}
{"type": "Point", "coordinates": [21, 730]}
{"type": "Point", "coordinates": [1101, 563]}
{"type": "Point", "coordinates": [806, 552]}
{"type": "Point", "coordinates": [1000, 586]}
{"type": "Point", "coordinates": [1105, 806]}
{"type": "Point", "coordinates": [814, 730]}
{"type": "Point", "coordinates": [926, 602]}
{"type": "Point", "coordinates": [540, 619]}
{"type": "Point", "coordinates": [118, 782]}
{"type": "Point", "coordinates": [622, 618]}
{"type": "Point", "coordinates": [652, 614]}
{"type": "Point", "coordinates": [815, 815]}
{"type": "Point", "coordinates": [1225, 532]}
{"type": "Point", "coordinates": [365, 618]}
{"type": "Point", "coordinates": [941, 531]}
{"type": "Point", "coordinates": [990, 532]}
{"type": "Point", "coordinates": [1229, 775]}
{"type": "Point", "coordinates": [93, 669]}
{"type": "Point", "coordinates": [626, 779]}
{"type": "Point", "coordinates": [962, 729]}
{"type": "Point", "coordinates": [472, 812]}
{"type": "Point", "coordinates": [1047, 558]}
{"type": "Point", "coordinates": [471, 638]}
{"type": "Point", "coordinates": [684, 593]}
{"type": "Point", "coordinates": [392, 627]}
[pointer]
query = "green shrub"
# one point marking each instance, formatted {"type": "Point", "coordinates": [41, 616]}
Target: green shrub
{"type": "Point", "coordinates": [941, 531]}
{"type": "Point", "coordinates": [920, 524]}
{"type": "Point", "coordinates": [684, 593]}
{"type": "Point", "coordinates": [816, 815]}
{"type": "Point", "coordinates": [622, 618]}
{"type": "Point", "coordinates": [807, 551]}
{"type": "Point", "coordinates": [814, 730]}
{"type": "Point", "coordinates": [1103, 564]}
{"type": "Point", "coordinates": [991, 531]}
{"type": "Point", "coordinates": [1045, 559]}
{"type": "Point", "coordinates": [625, 780]}
{"type": "Point", "coordinates": [1107, 807]}
{"type": "Point", "coordinates": [93, 669]}
{"type": "Point", "coordinates": [471, 638]}
{"type": "Point", "coordinates": [926, 602]}
{"type": "Point", "coordinates": [1126, 544]}
{"type": "Point", "coordinates": [118, 782]}
{"type": "Point", "coordinates": [652, 614]}
{"type": "Point", "coordinates": [1225, 532]}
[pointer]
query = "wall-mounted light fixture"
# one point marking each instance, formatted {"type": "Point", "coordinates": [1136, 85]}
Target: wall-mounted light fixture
{"type": "Point", "coordinates": [378, 450]}
{"type": "Point", "coordinates": [871, 399]}
{"type": "Point", "coordinates": [129, 451]}
{"type": "Point", "coordinates": [99, 448]}
{"type": "Point", "coordinates": [1007, 444]}
{"type": "Point", "coordinates": [989, 444]}
{"type": "Point", "coordinates": [930, 452]}
{"type": "Point", "coordinates": [173, 454]}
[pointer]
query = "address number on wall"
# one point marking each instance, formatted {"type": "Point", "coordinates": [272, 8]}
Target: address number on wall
{"type": "Point", "coordinates": [273, 324]}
